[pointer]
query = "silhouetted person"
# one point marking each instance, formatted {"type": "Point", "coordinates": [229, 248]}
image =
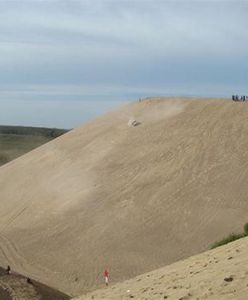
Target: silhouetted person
{"type": "Point", "coordinates": [8, 270]}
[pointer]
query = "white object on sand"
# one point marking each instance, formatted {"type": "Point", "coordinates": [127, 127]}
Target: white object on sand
{"type": "Point", "coordinates": [132, 123]}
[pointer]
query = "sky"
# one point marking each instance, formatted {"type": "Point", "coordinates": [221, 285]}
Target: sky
{"type": "Point", "coordinates": [63, 62]}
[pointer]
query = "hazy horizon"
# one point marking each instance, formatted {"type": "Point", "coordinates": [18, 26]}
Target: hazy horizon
{"type": "Point", "coordinates": [64, 63]}
{"type": "Point", "coordinates": [71, 113]}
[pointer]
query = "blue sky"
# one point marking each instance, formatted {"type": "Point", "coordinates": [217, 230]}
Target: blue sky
{"type": "Point", "coordinates": [64, 62]}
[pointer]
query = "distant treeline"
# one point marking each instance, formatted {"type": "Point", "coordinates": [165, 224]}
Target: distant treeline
{"type": "Point", "coordinates": [34, 131]}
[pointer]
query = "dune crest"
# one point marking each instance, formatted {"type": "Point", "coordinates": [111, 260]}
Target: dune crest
{"type": "Point", "coordinates": [217, 274]}
{"type": "Point", "coordinates": [130, 198]}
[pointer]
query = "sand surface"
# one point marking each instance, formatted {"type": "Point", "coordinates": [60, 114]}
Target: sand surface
{"type": "Point", "coordinates": [15, 287]}
{"type": "Point", "coordinates": [131, 199]}
{"type": "Point", "coordinates": [219, 274]}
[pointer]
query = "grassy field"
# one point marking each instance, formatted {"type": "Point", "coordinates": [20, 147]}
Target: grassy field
{"type": "Point", "coordinates": [16, 140]}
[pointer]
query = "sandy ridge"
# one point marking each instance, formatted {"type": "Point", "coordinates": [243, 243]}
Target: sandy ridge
{"type": "Point", "coordinates": [220, 274]}
{"type": "Point", "coordinates": [132, 199]}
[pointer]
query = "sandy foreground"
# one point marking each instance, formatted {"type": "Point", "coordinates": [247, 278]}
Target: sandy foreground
{"type": "Point", "coordinates": [218, 274]}
{"type": "Point", "coordinates": [130, 199]}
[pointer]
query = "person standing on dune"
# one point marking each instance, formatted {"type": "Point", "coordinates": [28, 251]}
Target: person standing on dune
{"type": "Point", "coordinates": [8, 270]}
{"type": "Point", "coordinates": [106, 277]}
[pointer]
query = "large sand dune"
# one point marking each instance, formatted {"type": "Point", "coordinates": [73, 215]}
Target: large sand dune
{"type": "Point", "coordinates": [219, 274]}
{"type": "Point", "coordinates": [131, 199]}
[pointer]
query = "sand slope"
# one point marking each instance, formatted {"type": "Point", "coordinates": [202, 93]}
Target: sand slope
{"type": "Point", "coordinates": [128, 198]}
{"type": "Point", "coordinates": [218, 274]}
{"type": "Point", "coordinates": [15, 287]}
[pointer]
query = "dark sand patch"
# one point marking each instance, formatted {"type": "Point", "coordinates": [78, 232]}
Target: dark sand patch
{"type": "Point", "coordinates": [15, 286]}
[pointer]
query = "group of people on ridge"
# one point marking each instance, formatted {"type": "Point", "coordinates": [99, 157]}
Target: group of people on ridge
{"type": "Point", "coordinates": [239, 98]}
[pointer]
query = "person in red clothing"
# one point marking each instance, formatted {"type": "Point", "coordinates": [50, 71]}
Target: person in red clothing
{"type": "Point", "coordinates": [106, 277]}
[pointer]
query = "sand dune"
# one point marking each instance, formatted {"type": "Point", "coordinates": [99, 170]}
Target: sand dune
{"type": "Point", "coordinates": [218, 274]}
{"type": "Point", "coordinates": [132, 199]}
{"type": "Point", "coordinates": [14, 286]}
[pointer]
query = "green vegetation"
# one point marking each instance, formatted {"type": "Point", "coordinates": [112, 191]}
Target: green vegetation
{"type": "Point", "coordinates": [246, 228]}
{"type": "Point", "coordinates": [231, 238]}
{"type": "Point", "coordinates": [33, 131]}
{"type": "Point", "coordinates": [17, 140]}
{"type": "Point", "coordinates": [4, 158]}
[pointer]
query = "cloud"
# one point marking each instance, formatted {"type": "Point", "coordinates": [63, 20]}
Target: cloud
{"type": "Point", "coordinates": [123, 49]}
{"type": "Point", "coordinates": [157, 25]}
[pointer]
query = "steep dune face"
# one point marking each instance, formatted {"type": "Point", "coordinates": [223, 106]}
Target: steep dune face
{"type": "Point", "coordinates": [217, 274]}
{"type": "Point", "coordinates": [131, 199]}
